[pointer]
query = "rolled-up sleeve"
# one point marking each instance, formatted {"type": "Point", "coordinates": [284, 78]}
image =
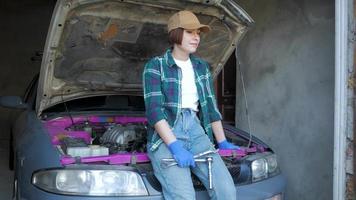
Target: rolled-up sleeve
{"type": "Point", "coordinates": [214, 113]}
{"type": "Point", "coordinates": [152, 91]}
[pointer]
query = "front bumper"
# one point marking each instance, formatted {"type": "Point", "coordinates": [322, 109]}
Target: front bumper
{"type": "Point", "coordinates": [256, 191]}
{"type": "Point", "coordinates": [264, 189]}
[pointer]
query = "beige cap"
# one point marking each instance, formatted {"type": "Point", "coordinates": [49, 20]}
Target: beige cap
{"type": "Point", "coordinates": [187, 20]}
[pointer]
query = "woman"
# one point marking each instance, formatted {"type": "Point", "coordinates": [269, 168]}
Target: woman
{"type": "Point", "coordinates": [183, 116]}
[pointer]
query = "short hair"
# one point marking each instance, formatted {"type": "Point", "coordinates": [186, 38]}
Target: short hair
{"type": "Point", "coordinates": [175, 36]}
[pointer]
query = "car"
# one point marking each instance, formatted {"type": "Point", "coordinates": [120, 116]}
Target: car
{"type": "Point", "coordinates": [81, 133]}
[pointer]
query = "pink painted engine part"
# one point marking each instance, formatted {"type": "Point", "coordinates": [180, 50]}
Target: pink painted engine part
{"type": "Point", "coordinates": [115, 140]}
{"type": "Point", "coordinates": [101, 138]}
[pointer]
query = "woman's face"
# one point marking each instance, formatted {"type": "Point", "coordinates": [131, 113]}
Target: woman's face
{"type": "Point", "coordinates": [190, 41]}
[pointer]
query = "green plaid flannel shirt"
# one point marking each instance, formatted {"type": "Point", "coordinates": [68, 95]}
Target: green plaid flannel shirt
{"type": "Point", "coordinates": [162, 93]}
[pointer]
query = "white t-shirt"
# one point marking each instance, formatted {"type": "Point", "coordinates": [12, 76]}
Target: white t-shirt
{"type": "Point", "coordinates": [189, 89]}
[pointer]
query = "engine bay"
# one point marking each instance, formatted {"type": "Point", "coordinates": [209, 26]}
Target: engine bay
{"type": "Point", "coordinates": [113, 140]}
{"type": "Point", "coordinates": [118, 138]}
{"type": "Point", "coordinates": [86, 136]}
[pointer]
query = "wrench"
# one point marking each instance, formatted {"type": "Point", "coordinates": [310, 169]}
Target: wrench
{"type": "Point", "coordinates": [168, 162]}
{"type": "Point", "coordinates": [209, 159]}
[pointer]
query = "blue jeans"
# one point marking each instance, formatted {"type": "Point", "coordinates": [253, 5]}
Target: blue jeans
{"type": "Point", "coordinates": [176, 182]}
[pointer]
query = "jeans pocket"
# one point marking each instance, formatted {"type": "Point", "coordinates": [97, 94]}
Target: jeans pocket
{"type": "Point", "coordinates": [184, 138]}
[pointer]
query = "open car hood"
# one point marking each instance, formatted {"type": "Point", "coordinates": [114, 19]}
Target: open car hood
{"type": "Point", "coordinates": [97, 47]}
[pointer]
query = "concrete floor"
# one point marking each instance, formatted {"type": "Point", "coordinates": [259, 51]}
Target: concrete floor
{"type": "Point", "coordinates": [6, 176]}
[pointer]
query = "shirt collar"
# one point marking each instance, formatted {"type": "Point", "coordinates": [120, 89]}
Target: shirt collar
{"type": "Point", "coordinates": [170, 61]}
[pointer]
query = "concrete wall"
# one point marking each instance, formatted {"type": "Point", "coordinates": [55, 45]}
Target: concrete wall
{"type": "Point", "coordinates": [288, 64]}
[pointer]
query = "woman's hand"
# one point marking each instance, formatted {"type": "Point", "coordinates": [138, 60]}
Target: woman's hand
{"type": "Point", "coordinates": [220, 136]}
{"type": "Point", "coordinates": [227, 145]}
{"type": "Point", "coordinates": [183, 157]}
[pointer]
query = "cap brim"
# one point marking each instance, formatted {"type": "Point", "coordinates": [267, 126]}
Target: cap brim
{"type": "Point", "coordinates": [202, 27]}
{"type": "Point", "coordinates": [205, 28]}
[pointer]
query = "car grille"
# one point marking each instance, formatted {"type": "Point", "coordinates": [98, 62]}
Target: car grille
{"type": "Point", "coordinates": [233, 169]}
{"type": "Point", "coordinates": [235, 172]}
{"type": "Point", "coordinates": [147, 171]}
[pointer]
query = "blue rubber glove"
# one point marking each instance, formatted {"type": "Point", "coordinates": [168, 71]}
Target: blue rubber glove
{"type": "Point", "coordinates": [227, 145]}
{"type": "Point", "coordinates": [183, 157]}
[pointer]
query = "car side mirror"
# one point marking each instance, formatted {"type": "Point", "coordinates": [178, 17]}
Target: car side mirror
{"type": "Point", "coordinates": [12, 102]}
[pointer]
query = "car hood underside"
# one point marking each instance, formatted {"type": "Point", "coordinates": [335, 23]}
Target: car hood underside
{"type": "Point", "coordinates": [100, 47]}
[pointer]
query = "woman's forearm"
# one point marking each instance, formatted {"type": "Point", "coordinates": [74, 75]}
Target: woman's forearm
{"type": "Point", "coordinates": [165, 132]}
{"type": "Point", "coordinates": [218, 131]}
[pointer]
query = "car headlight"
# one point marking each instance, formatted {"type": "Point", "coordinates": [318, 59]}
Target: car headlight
{"type": "Point", "coordinates": [276, 197]}
{"type": "Point", "coordinates": [264, 166]}
{"type": "Point", "coordinates": [90, 182]}
{"type": "Point", "coordinates": [272, 163]}
{"type": "Point", "coordinates": [259, 169]}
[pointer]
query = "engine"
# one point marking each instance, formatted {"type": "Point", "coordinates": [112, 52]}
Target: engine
{"type": "Point", "coordinates": [125, 138]}
{"type": "Point", "coordinates": [117, 138]}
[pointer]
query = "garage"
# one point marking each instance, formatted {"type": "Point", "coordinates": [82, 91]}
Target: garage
{"type": "Point", "coordinates": [283, 83]}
